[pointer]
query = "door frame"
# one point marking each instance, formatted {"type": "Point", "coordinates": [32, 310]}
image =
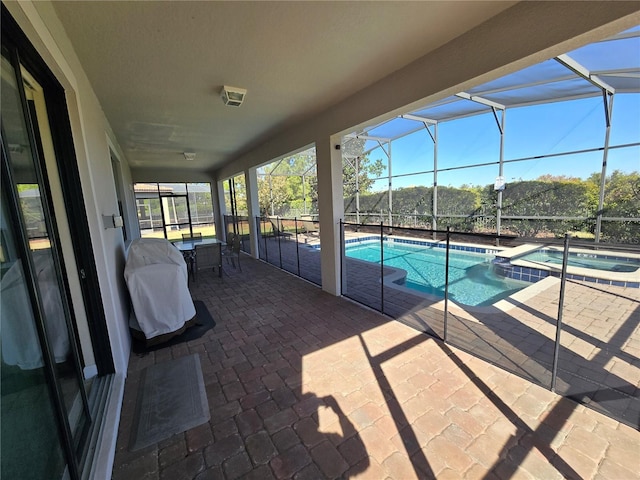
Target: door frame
{"type": "Point", "coordinates": [62, 138]}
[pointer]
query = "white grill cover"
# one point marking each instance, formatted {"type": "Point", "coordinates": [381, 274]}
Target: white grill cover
{"type": "Point", "coordinates": [157, 279]}
{"type": "Point", "coordinates": [20, 343]}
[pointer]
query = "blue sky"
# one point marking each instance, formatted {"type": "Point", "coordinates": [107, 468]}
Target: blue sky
{"type": "Point", "coordinates": [529, 131]}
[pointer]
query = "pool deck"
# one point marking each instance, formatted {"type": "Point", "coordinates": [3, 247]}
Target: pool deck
{"type": "Point", "coordinates": [305, 385]}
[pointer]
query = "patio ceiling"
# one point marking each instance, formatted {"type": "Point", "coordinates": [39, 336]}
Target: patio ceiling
{"type": "Point", "coordinates": [611, 65]}
{"type": "Point", "coordinates": [157, 67]}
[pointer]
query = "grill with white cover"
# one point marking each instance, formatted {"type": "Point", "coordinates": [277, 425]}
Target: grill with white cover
{"type": "Point", "coordinates": [157, 279]}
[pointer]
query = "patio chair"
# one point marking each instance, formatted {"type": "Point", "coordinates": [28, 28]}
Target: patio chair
{"type": "Point", "coordinates": [232, 250]}
{"type": "Point", "coordinates": [309, 227]}
{"type": "Point", "coordinates": [190, 255]}
{"type": "Point", "coordinates": [193, 236]}
{"type": "Point", "coordinates": [278, 231]}
{"type": "Point", "coordinates": [206, 256]}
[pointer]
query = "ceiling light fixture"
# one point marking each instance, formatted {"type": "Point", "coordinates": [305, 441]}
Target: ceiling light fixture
{"type": "Point", "coordinates": [189, 156]}
{"type": "Point", "coordinates": [232, 96]}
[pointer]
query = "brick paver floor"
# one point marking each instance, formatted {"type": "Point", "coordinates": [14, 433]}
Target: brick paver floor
{"type": "Point", "coordinates": [305, 385]}
{"type": "Point", "coordinates": [599, 355]}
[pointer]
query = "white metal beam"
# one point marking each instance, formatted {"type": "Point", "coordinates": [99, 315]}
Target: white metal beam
{"type": "Point", "coordinates": [418, 118]}
{"type": "Point", "coordinates": [480, 100]}
{"type": "Point", "coordinates": [622, 74]}
{"type": "Point", "coordinates": [369, 137]}
{"type": "Point", "coordinates": [583, 72]}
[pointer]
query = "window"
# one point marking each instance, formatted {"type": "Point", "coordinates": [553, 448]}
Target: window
{"type": "Point", "coordinates": [168, 210]}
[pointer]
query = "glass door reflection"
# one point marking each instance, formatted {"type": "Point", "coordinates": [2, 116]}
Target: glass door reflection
{"type": "Point", "coordinates": [46, 308]}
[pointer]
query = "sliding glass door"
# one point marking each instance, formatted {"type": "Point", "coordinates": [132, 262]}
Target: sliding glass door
{"type": "Point", "coordinates": [45, 412]}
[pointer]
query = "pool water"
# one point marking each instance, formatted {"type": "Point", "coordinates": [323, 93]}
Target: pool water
{"type": "Point", "coordinates": [584, 261]}
{"type": "Point", "coordinates": [472, 280]}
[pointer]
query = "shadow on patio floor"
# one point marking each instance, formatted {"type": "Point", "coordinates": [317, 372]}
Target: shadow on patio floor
{"type": "Point", "coordinates": [302, 384]}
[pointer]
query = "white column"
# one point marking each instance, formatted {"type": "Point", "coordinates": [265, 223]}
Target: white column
{"type": "Point", "coordinates": [331, 210]}
{"type": "Point", "coordinates": [253, 207]}
{"type": "Point", "coordinates": [434, 208]}
{"type": "Point", "coordinates": [390, 188]}
{"type": "Point", "coordinates": [500, 170]}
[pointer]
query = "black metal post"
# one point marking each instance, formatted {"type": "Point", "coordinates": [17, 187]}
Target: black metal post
{"type": "Point", "coordinates": [232, 201]}
{"type": "Point", "coordinates": [263, 225]}
{"type": "Point", "coordinates": [382, 267]}
{"type": "Point", "coordinates": [278, 232]}
{"type": "Point", "coordinates": [295, 222]}
{"type": "Point", "coordinates": [446, 284]}
{"type": "Point", "coordinates": [341, 257]}
{"type": "Point", "coordinates": [563, 281]}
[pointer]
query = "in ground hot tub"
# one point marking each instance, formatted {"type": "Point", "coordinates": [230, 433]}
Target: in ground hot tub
{"type": "Point", "coordinates": [533, 262]}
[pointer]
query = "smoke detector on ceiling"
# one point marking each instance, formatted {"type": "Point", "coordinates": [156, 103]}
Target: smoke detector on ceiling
{"type": "Point", "coordinates": [233, 96]}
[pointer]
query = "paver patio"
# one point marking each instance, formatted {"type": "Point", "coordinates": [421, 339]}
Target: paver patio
{"type": "Point", "coordinates": [302, 384]}
{"type": "Point", "coordinates": [599, 355]}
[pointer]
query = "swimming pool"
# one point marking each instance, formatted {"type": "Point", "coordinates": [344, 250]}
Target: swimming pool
{"type": "Point", "coordinates": [472, 280]}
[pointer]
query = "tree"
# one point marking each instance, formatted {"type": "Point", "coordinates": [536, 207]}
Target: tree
{"type": "Point", "coordinates": [287, 185]}
{"type": "Point", "coordinates": [546, 197]}
{"type": "Point", "coordinates": [413, 205]}
{"type": "Point", "coordinates": [621, 199]}
{"type": "Point", "coordinates": [368, 170]}
{"type": "Point", "coordinates": [240, 197]}
{"type": "Point", "coordinates": [273, 195]}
